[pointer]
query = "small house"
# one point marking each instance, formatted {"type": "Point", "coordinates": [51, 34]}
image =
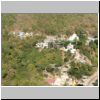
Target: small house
{"type": "Point", "coordinates": [70, 47]}
{"type": "Point", "coordinates": [73, 37]}
{"type": "Point", "coordinates": [21, 34]}
{"type": "Point", "coordinates": [42, 45]}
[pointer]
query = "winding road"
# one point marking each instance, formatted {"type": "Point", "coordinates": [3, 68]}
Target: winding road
{"type": "Point", "coordinates": [91, 79]}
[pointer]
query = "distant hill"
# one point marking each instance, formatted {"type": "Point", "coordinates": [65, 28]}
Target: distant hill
{"type": "Point", "coordinates": [51, 23]}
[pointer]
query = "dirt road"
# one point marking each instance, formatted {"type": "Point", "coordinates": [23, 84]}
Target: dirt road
{"type": "Point", "coordinates": [91, 79]}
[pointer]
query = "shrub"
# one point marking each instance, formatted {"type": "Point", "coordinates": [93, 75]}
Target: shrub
{"type": "Point", "coordinates": [78, 70]}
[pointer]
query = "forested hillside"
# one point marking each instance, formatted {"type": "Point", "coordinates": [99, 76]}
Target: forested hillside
{"type": "Point", "coordinates": [23, 63]}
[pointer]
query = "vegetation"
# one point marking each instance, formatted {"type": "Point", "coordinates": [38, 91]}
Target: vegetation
{"type": "Point", "coordinates": [51, 24]}
{"type": "Point", "coordinates": [95, 83]}
{"type": "Point", "coordinates": [91, 51]}
{"type": "Point", "coordinates": [64, 43]}
{"type": "Point", "coordinates": [21, 58]}
{"type": "Point", "coordinates": [78, 70]}
{"type": "Point", "coordinates": [82, 39]}
{"type": "Point", "coordinates": [23, 63]}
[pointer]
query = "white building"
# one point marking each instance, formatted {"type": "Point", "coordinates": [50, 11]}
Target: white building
{"type": "Point", "coordinates": [73, 51]}
{"type": "Point", "coordinates": [46, 41]}
{"type": "Point", "coordinates": [28, 34]}
{"type": "Point", "coordinates": [90, 39]}
{"type": "Point", "coordinates": [73, 37]}
{"type": "Point", "coordinates": [21, 34]}
{"type": "Point", "coordinates": [42, 45]}
{"type": "Point", "coordinates": [70, 47]}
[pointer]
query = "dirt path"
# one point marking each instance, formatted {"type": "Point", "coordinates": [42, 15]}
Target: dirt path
{"type": "Point", "coordinates": [92, 79]}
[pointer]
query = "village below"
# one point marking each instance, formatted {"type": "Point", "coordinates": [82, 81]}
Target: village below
{"type": "Point", "coordinates": [67, 46]}
{"type": "Point", "coordinates": [40, 59]}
